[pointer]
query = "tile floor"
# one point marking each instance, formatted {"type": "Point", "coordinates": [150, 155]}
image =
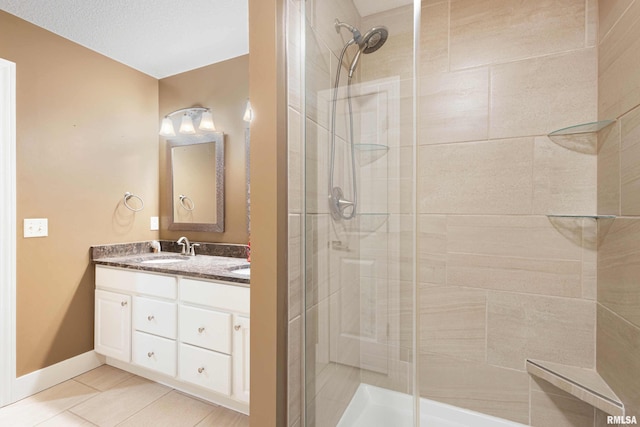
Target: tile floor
{"type": "Point", "coordinates": [107, 396]}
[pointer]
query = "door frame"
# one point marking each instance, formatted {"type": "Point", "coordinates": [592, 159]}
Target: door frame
{"type": "Point", "coordinates": [7, 231]}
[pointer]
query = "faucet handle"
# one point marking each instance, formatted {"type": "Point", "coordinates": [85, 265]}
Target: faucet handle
{"type": "Point", "coordinates": [193, 248]}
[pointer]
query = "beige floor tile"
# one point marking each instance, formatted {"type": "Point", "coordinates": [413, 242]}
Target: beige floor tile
{"type": "Point", "coordinates": [66, 419]}
{"type": "Point", "coordinates": [171, 410]}
{"type": "Point", "coordinates": [46, 404]}
{"type": "Point", "coordinates": [120, 402]}
{"type": "Point", "coordinates": [103, 378]}
{"type": "Point", "coordinates": [223, 417]}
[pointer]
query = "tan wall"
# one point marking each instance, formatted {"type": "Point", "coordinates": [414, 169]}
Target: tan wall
{"type": "Point", "coordinates": [223, 87]}
{"type": "Point", "coordinates": [269, 213]}
{"type": "Point", "coordinates": [619, 194]}
{"type": "Point", "coordinates": [86, 134]}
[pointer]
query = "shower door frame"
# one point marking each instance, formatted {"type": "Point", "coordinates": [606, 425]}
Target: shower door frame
{"type": "Point", "coordinates": [7, 231]}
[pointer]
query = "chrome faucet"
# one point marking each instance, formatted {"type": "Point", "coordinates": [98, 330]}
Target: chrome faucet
{"type": "Point", "coordinates": [187, 248]}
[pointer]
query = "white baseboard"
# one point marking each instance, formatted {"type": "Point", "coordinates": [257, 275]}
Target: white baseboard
{"type": "Point", "coordinates": [44, 378]}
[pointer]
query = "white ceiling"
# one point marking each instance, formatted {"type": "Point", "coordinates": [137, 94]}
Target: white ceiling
{"type": "Point", "coordinates": [369, 7]}
{"type": "Point", "coordinates": [158, 37]}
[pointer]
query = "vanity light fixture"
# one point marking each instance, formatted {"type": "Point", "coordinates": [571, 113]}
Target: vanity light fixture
{"type": "Point", "coordinates": [248, 112]}
{"type": "Point", "coordinates": [167, 127]}
{"type": "Point", "coordinates": [190, 116]}
{"type": "Point", "coordinates": [186, 125]}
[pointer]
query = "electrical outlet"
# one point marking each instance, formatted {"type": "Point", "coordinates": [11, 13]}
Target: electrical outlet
{"type": "Point", "coordinates": [36, 227]}
{"type": "Point", "coordinates": [154, 223]}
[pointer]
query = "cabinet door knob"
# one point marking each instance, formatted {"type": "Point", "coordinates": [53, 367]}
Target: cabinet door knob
{"type": "Point", "coordinates": [200, 370]}
{"type": "Point", "coordinates": [150, 354]}
{"type": "Point", "coordinates": [237, 327]}
{"type": "Point", "coordinates": [150, 318]}
{"type": "Point", "coordinates": [123, 303]}
{"type": "Point", "coordinates": [200, 330]}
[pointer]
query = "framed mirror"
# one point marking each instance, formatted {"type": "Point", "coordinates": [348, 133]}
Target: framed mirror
{"type": "Point", "coordinates": [196, 169]}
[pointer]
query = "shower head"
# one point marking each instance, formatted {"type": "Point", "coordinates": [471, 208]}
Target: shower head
{"type": "Point", "coordinates": [373, 39]}
{"type": "Point", "coordinates": [369, 43]}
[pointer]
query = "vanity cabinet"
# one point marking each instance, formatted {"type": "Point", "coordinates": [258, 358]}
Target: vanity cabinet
{"type": "Point", "coordinates": [112, 335]}
{"type": "Point", "coordinates": [241, 359]}
{"type": "Point", "coordinates": [187, 332]}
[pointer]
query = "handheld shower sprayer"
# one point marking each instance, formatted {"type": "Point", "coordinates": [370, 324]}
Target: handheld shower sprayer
{"type": "Point", "coordinates": [340, 207]}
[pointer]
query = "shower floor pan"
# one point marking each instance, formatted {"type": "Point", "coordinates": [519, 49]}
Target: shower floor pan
{"type": "Point", "coordinates": [377, 407]}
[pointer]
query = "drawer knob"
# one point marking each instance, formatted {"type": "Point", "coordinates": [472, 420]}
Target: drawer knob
{"type": "Point", "coordinates": [200, 370]}
{"type": "Point", "coordinates": [237, 327]}
{"type": "Point", "coordinates": [150, 354]}
{"type": "Point", "coordinates": [150, 318]}
{"type": "Point", "coordinates": [123, 303]}
{"type": "Point", "coordinates": [200, 330]}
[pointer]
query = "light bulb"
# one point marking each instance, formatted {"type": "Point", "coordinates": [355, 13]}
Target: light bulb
{"type": "Point", "coordinates": [186, 126]}
{"type": "Point", "coordinates": [206, 122]}
{"type": "Point", "coordinates": [166, 129]}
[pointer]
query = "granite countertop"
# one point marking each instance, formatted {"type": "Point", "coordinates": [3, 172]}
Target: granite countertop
{"type": "Point", "coordinates": [199, 266]}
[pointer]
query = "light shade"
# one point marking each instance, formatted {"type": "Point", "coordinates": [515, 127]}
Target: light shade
{"type": "Point", "coordinates": [166, 129]}
{"type": "Point", "coordinates": [186, 126]}
{"type": "Point", "coordinates": [248, 113]}
{"type": "Point", "coordinates": [206, 122]}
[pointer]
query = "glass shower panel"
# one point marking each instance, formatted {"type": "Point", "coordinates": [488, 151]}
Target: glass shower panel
{"type": "Point", "coordinates": [359, 214]}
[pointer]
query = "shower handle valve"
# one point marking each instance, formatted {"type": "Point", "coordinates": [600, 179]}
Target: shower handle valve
{"type": "Point", "coordinates": [338, 204]}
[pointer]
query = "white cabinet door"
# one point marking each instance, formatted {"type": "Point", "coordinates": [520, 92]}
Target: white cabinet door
{"type": "Point", "coordinates": [113, 325]}
{"type": "Point", "coordinates": [241, 358]}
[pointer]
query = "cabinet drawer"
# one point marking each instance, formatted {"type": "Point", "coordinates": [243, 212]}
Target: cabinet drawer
{"type": "Point", "coordinates": [205, 368]}
{"type": "Point", "coordinates": [206, 328]}
{"type": "Point", "coordinates": [154, 353]}
{"type": "Point", "coordinates": [135, 281]}
{"type": "Point", "coordinates": [215, 295]}
{"type": "Point", "coordinates": [155, 317]}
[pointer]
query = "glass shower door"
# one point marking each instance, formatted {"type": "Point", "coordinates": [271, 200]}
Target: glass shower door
{"type": "Point", "coordinates": [358, 214]}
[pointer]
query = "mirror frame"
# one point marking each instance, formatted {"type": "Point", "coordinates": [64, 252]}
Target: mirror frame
{"type": "Point", "coordinates": [218, 139]}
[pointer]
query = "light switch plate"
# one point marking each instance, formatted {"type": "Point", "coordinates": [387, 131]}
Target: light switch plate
{"type": "Point", "coordinates": [154, 223]}
{"type": "Point", "coordinates": [36, 227]}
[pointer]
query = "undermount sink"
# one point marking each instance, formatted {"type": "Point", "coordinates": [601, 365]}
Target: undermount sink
{"type": "Point", "coordinates": [242, 271]}
{"type": "Point", "coordinates": [163, 260]}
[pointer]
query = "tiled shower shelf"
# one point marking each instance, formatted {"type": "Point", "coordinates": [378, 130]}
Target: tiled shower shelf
{"type": "Point", "coordinates": [582, 128]}
{"type": "Point", "coordinates": [583, 383]}
{"type": "Point", "coordinates": [369, 153]}
{"type": "Point", "coordinates": [371, 147]}
{"type": "Point", "coordinates": [580, 138]}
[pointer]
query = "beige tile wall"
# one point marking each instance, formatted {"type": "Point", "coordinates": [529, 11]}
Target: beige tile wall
{"type": "Point", "coordinates": [499, 280]}
{"type": "Point", "coordinates": [618, 296]}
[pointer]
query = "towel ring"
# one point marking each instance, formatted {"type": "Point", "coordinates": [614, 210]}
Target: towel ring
{"type": "Point", "coordinates": [128, 196]}
{"type": "Point", "coordinates": [182, 199]}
